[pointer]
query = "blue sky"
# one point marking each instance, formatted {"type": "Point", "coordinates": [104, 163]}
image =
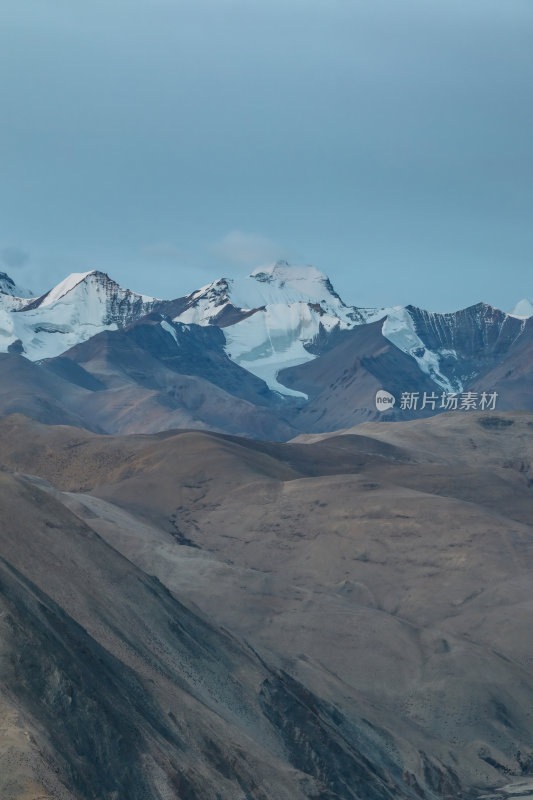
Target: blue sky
{"type": "Point", "coordinates": [170, 142]}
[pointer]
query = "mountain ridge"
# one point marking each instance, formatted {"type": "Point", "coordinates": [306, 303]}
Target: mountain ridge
{"type": "Point", "coordinates": [280, 325]}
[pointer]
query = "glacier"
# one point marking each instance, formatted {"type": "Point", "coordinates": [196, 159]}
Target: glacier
{"type": "Point", "coordinates": [284, 307]}
{"type": "Point", "coordinates": [270, 319]}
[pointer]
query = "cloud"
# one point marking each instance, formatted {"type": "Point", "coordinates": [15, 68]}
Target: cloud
{"type": "Point", "coordinates": [14, 257]}
{"type": "Point", "coordinates": [250, 249]}
{"type": "Point", "coordinates": [163, 251]}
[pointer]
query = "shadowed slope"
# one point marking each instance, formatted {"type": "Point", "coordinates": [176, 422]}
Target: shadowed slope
{"type": "Point", "coordinates": [127, 693]}
{"type": "Point", "coordinates": [342, 383]}
{"type": "Point", "coordinates": [160, 375]}
{"type": "Point", "coordinates": [26, 388]}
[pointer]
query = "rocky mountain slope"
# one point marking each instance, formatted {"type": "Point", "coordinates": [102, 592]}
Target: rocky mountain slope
{"type": "Point", "coordinates": [269, 356]}
{"type": "Point", "coordinates": [112, 688]}
{"type": "Point", "coordinates": [342, 616]}
{"type": "Point", "coordinates": [151, 376]}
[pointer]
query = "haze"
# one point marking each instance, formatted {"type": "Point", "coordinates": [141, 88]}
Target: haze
{"type": "Point", "coordinates": [170, 143]}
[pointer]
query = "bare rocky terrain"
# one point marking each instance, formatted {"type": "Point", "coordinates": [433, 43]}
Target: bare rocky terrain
{"type": "Point", "coordinates": [194, 615]}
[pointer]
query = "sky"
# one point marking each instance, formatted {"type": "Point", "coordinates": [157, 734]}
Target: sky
{"type": "Point", "coordinates": [172, 142]}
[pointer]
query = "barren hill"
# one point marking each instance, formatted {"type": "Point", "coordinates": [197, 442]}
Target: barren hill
{"type": "Point", "coordinates": [384, 570]}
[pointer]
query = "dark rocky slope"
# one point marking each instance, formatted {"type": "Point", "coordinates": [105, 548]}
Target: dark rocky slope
{"type": "Point", "coordinates": [124, 692]}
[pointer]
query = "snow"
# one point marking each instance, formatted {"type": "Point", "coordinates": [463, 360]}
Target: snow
{"type": "Point", "coordinates": [273, 339]}
{"type": "Point", "coordinates": [81, 306]}
{"type": "Point", "coordinates": [368, 315]}
{"type": "Point", "coordinates": [283, 284]}
{"type": "Point", "coordinates": [9, 302]}
{"type": "Point", "coordinates": [65, 287]}
{"type": "Point", "coordinates": [399, 329]}
{"type": "Point", "coordinates": [7, 330]}
{"type": "Point", "coordinates": [523, 309]}
{"type": "Point", "coordinates": [291, 303]}
{"type": "Point", "coordinates": [12, 296]}
{"type": "Point", "coordinates": [273, 285]}
{"type": "Point", "coordinates": [169, 329]}
{"type": "Point", "coordinates": [9, 287]}
{"type": "Point", "coordinates": [519, 788]}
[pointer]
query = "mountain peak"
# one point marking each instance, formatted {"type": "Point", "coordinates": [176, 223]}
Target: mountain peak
{"type": "Point", "coordinates": [83, 304]}
{"type": "Point", "coordinates": [288, 273]}
{"type": "Point", "coordinates": [73, 280]}
{"type": "Point", "coordinates": [9, 287]}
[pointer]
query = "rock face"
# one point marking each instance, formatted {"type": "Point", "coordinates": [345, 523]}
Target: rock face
{"type": "Point", "coordinates": [280, 346]}
{"type": "Point", "coordinates": [192, 615]}
{"type": "Point", "coordinates": [476, 350]}
{"type": "Point", "coordinates": [470, 342]}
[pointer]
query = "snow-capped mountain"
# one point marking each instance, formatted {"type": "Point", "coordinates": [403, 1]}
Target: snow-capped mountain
{"type": "Point", "coordinates": [11, 295]}
{"type": "Point", "coordinates": [454, 348]}
{"type": "Point", "coordinates": [76, 309]}
{"type": "Point", "coordinates": [9, 287]}
{"type": "Point", "coordinates": [273, 324]}
{"type": "Point", "coordinates": [271, 316]}
{"type": "Point", "coordinates": [401, 329]}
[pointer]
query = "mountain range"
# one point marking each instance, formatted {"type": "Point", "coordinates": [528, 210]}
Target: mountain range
{"type": "Point", "coordinates": [270, 356]}
{"type": "Point", "coordinates": [223, 577]}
